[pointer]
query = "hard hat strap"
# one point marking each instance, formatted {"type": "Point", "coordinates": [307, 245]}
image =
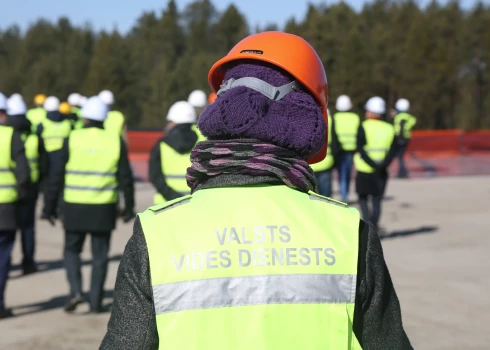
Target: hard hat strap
{"type": "Point", "coordinates": [266, 89]}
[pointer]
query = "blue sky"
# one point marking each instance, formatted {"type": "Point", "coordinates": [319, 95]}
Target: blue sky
{"type": "Point", "coordinates": [109, 14]}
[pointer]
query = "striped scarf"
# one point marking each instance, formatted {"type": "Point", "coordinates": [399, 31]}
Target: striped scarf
{"type": "Point", "coordinates": [248, 157]}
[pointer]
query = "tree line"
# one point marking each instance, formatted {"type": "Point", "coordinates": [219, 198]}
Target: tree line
{"type": "Point", "coordinates": [438, 57]}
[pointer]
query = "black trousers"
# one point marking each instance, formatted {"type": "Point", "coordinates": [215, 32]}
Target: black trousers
{"type": "Point", "coordinates": [100, 248]}
{"type": "Point", "coordinates": [373, 215]}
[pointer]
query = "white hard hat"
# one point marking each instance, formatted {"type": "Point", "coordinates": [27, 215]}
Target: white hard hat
{"type": "Point", "coordinates": [198, 99]}
{"type": "Point", "coordinates": [343, 104]}
{"type": "Point", "coordinates": [74, 99]}
{"type": "Point", "coordinates": [51, 104]}
{"type": "Point", "coordinates": [16, 106]}
{"type": "Point", "coordinates": [3, 102]}
{"type": "Point", "coordinates": [107, 97]}
{"type": "Point", "coordinates": [16, 95]}
{"type": "Point", "coordinates": [82, 101]}
{"type": "Point", "coordinates": [182, 112]}
{"type": "Point", "coordinates": [95, 109]}
{"type": "Point", "coordinates": [402, 105]}
{"type": "Point", "coordinates": [376, 105]}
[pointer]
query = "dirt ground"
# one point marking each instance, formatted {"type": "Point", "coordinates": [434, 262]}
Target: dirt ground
{"type": "Point", "coordinates": [436, 249]}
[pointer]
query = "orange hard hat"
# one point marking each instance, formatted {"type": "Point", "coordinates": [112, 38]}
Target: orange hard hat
{"type": "Point", "coordinates": [65, 108]}
{"type": "Point", "coordinates": [212, 97]}
{"type": "Point", "coordinates": [39, 99]}
{"type": "Point", "coordinates": [288, 52]}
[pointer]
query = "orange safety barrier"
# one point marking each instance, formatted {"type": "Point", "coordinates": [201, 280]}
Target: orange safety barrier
{"type": "Point", "coordinates": [442, 152]}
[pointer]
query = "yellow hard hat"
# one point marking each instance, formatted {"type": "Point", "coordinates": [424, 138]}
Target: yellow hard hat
{"type": "Point", "coordinates": [39, 99]}
{"type": "Point", "coordinates": [65, 108]}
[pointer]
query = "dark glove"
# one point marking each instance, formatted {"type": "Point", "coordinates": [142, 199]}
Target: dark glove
{"type": "Point", "coordinates": [49, 216]}
{"type": "Point", "coordinates": [128, 215]}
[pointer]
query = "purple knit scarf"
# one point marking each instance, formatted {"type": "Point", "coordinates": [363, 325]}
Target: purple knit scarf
{"type": "Point", "coordinates": [248, 157]}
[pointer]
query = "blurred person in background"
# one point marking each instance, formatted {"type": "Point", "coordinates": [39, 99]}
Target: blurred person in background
{"type": "Point", "coordinates": [35, 155]}
{"type": "Point", "coordinates": [376, 148]}
{"type": "Point", "coordinates": [209, 271]}
{"type": "Point", "coordinates": [404, 123]}
{"type": "Point", "coordinates": [93, 167]}
{"type": "Point", "coordinates": [346, 126]}
{"type": "Point", "coordinates": [170, 157]}
{"type": "Point", "coordinates": [115, 121]}
{"type": "Point", "coordinates": [199, 101]}
{"type": "Point", "coordinates": [53, 130]}
{"type": "Point", "coordinates": [37, 114]}
{"type": "Point", "coordinates": [14, 186]}
{"type": "Point", "coordinates": [323, 169]}
{"type": "Point", "coordinates": [75, 110]}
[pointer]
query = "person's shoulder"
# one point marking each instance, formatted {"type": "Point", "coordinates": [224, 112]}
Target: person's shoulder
{"type": "Point", "coordinates": [165, 207]}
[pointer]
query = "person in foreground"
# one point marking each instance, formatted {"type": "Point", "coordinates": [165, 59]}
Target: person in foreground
{"type": "Point", "coordinates": [254, 258]}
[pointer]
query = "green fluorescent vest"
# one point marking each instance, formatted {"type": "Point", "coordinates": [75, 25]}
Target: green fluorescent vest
{"type": "Point", "coordinates": [410, 122]}
{"type": "Point", "coordinates": [379, 137]}
{"type": "Point", "coordinates": [253, 267]}
{"type": "Point", "coordinates": [91, 171]}
{"type": "Point", "coordinates": [54, 134]}
{"type": "Point", "coordinates": [36, 116]}
{"type": "Point", "coordinates": [328, 162]}
{"type": "Point", "coordinates": [174, 167]}
{"type": "Point", "coordinates": [78, 124]}
{"type": "Point", "coordinates": [114, 122]}
{"type": "Point", "coordinates": [346, 125]}
{"type": "Point", "coordinates": [8, 182]}
{"type": "Point", "coordinates": [200, 136]}
{"type": "Point", "coordinates": [31, 144]}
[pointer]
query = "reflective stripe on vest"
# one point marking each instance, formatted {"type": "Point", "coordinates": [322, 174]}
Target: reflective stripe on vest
{"type": "Point", "coordinates": [91, 171]}
{"type": "Point", "coordinates": [379, 137]}
{"type": "Point", "coordinates": [410, 122]}
{"type": "Point", "coordinates": [54, 133]}
{"type": "Point", "coordinates": [346, 125]}
{"type": "Point", "coordinates": [328, 162]}
{"type": "Point", "coordinates": [36, 116]}
{"type": "Point", "coordinates": [31, 144]}
{"type": "Point", "coordinates": [174, 167]}
{"type": "Point", "coordinates": [114, 122]}
{"type": "Point", "coordinates": [8, 182]}
{"type": "Point", "coordinates": [277, 264]}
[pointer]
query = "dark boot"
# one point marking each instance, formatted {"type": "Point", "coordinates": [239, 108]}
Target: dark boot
{"type": "Point", "coordinates": [73, 302]}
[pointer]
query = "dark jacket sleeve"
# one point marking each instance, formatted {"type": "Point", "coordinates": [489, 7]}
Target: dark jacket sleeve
{"type": "Point", "coordinates": [157, 178]}
{"type": "Point", "coordinates": [377, 316]}
{"type": "Point", "coordinates": [22, 170]}
{"type": "Point", "coordinates": [133, 322]}
{"type": "Point", "coordinates": [43, 161]}
{"type": "Point", "coordinates": [126, 179]}
{"type": "Point", "coordinates": [391, 154]}
{"type": "Point", "coordinates": [56, 179]}
{"type": "Point", "coordinates": [361, 141]}
{"type": "Point", "coordinates": [334, 142]}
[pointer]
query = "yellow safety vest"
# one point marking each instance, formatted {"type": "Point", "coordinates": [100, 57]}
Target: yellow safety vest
{"type": "Point", "coordinates": [200, 136]}
{"type": "Point", "coordinates": [36, 116]}
{"type": "Point", "coordinates": [114, 122]}
{"type": "Point", "coordinates": [379, 137]}
{"type": "Point", "coordinates": [328, 162]}
{"type": "Point", "coordinates": [174, 167]}
{"type": "Point", "coordinates": [31, 144]}
{"type": "Point", "coordinates": [8, 182]}
{"type": "Point", "coordinates": [253, 267]}
{"type": "Point", "coordinates": [346, 125]}
{"type": "Point", "coordinates": [77, 124]}
{"type": "Point", "coordinates": [410, 122]}
{"type": "Point", "coordinates": [91, 171]}
{"type": "Point", "coordinates": [54, 133]}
